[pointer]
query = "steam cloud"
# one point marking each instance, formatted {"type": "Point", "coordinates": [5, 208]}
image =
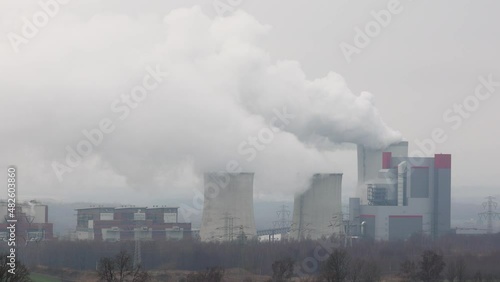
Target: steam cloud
{"type": "Point", "coordinates": [222, 88]}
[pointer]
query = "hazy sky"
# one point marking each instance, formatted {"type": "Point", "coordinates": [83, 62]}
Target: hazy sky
{"type": "Point", "coordinates": [229, 77]}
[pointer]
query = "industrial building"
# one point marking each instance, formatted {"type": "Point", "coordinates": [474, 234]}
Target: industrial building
{"type": "Point", "coordinates": [228, 207]}
{"type": "Point", "coordinates": [32, 222]}
{"type": "Point", "coordinates": [317, 212]}
{"type": "Point", "coordinates": [130, 223]}
{"type": "Point", "coordinates": [370, 160]}
{"type": "Point", "coordinates": [407, 196]}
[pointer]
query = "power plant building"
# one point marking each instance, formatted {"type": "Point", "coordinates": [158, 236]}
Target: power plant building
{"type": "Point", "coordinates": [370, 160]}
{"type": "Point", "coordinates": [32, 221]}
{"type": "Point", "coordinates": [130, 223]}
{"type": "Point", "coordinates": [317, 212]}
{"type": "Point", "coordinates": [408, 196]}
{"type": "Point", "coordinates": [228, 208]}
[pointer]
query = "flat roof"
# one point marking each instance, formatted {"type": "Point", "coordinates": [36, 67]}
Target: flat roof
{"type": "Point", "coordinates": [131, 208]}
{"type": "Point", "coordinates": [95, 208]}
{"type": "Point", "coordinates": [127, 207]}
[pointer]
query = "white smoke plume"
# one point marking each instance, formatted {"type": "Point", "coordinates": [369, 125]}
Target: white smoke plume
{"type": "Point", "coordinates": [222, 88]}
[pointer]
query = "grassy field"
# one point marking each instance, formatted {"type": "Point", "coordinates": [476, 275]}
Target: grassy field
{"type": "Point", "coordinates": [37, 277]}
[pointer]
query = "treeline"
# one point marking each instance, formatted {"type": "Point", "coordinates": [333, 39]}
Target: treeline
{"type": "Point", "coordinates": [479, 254]}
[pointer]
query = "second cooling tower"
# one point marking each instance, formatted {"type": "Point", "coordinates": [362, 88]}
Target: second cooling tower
{"type": "Point", "coordinates": [228, 208]}
{"type": "Point", "coordinates": [317, 212]}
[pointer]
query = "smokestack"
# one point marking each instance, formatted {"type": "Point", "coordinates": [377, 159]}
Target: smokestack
{"type": "Point", "coordinates": [442, 194]}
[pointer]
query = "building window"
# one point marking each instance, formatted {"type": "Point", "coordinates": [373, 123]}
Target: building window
{"type": "Point", "coordinates": [82, 220]}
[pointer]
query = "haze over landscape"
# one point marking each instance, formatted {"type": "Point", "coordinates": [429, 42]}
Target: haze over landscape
{"type": "Point", "coordinates": [238, 140]}
{"type": "Point", "coordinates": [215, 98]}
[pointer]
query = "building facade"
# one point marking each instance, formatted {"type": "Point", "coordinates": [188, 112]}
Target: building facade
{"type": "Point", "coordinates": [408, 196]}
{"type": "Point", "coordinates": [32, 222]}
{"type": "Point", "coordinates": [370, 160]}
{"type": "Point", "coordinates": [130, 223]}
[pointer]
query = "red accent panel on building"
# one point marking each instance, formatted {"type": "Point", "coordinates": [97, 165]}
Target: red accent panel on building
{"type": "Point", "coordinates": [386, 160]}
{"type": "Point", "coordinates": [367, 215]}
{"type": "Point", "coordinates": [442, 161]}
{"type": "Point", "coordinates": [405, 216]}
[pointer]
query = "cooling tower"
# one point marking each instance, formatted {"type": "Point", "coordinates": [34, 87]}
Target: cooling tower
{"type": "Point", "coordinates": [228, 208]}
{"type": "Point", "coordinates": [317, 212]}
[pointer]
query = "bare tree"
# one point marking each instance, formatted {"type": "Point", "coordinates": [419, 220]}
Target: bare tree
{"type": "Point", "coordinates": [355, 270]}
{"type": "Point", "coordinates": [120, 269]}
{"type": "Point", "coordinates": [460, 269]}
{"type": "Point", "coordinates": [336, 267]}
{"type": "Point", "coordinates": [408, 271]}
{"type": "Point", "coordinates": [140, 276]}
{"type": "Point", "coordinates": [451, 271]}
{"type": "Point", "coordinates": [370, 272]}
{"type": "Point", "coordinates": [106, 269]}
{"type": "Point", "coordinates": [431, 266]}
{"type": "Point", "coordinates": [21, 272]}
{"type": "Point", "coordinates": [282, 270]}
{"type": "Point", "coordinates": [123, 263]}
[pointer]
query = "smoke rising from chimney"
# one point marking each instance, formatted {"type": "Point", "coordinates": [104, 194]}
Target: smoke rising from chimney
{"type": "Point", "coordinates": [222, 88]}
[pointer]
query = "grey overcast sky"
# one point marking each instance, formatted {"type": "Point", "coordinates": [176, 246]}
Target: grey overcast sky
{"type": "Point", "coordinates": [231, 72]}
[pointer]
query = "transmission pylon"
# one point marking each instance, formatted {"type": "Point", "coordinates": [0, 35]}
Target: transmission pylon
{"type": "Point", "coordinates": [283, 221]}
{"type": "Point", "coordinates": [490, 214]}
{"type": "Point", "coordinates": [137, 254]}
{"type": "Point", "coordinates": [139, 226]}
{"type": "Point", "coordinates": [228, 227]}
